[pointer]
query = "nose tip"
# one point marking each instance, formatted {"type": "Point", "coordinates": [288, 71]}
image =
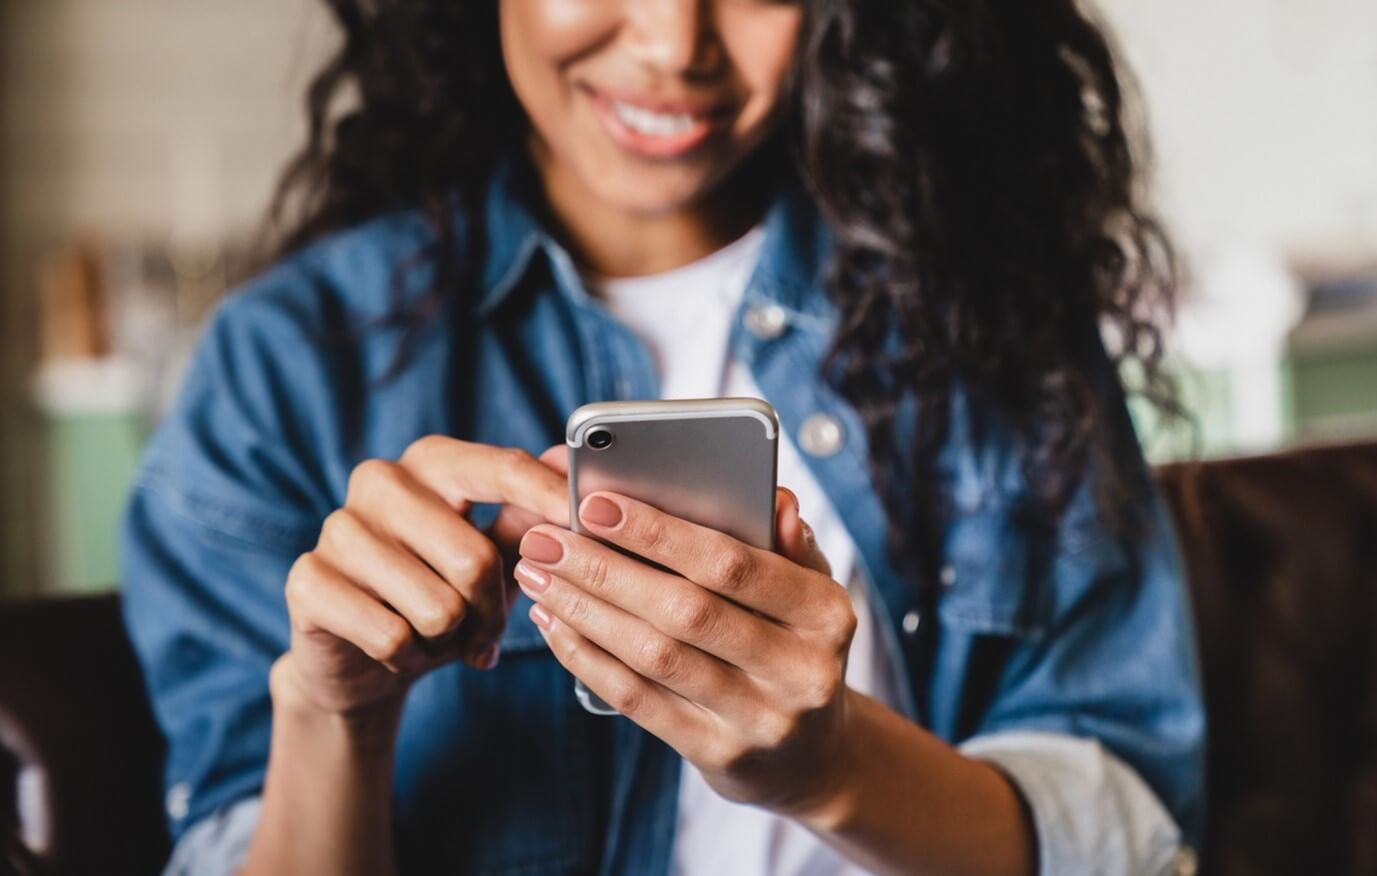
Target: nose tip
{"type": "Point", "coordinates": [674, 36]}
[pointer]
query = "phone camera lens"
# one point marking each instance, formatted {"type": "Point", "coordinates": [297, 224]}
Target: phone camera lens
{"type": "Point", "coordinates": [600, 439]}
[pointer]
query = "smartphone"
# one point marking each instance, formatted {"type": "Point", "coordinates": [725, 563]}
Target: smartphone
{"type": "Point", "coordinates": [709, 461]}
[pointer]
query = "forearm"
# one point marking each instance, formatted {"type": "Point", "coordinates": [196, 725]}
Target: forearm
{"type": "Point", "coordinates": [327, 798]}
{"type": "Point", "coordinates": [904, 802]}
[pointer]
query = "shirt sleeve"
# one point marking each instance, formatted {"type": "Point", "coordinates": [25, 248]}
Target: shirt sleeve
{"type": "Point", "coordinates": [224, 502]}
{"type": "Point", "coordinates": [1087, 805]}
{"type": "Point", "coordinates": [218, 844]}
{"type": "Point", "coordinates": [1081, 633]}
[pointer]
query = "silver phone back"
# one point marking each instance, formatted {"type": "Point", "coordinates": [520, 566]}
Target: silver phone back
{"type": "Point", "coordinates": [711, 461]}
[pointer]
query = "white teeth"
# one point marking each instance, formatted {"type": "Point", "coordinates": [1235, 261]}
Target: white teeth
{"type": "Point", "coordinates": [652, 124]}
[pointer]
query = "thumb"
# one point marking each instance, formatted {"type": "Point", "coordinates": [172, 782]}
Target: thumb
{"type": "Point", "coordinates": [512, 522]}
{"type": "Point", "coordinates": [557, 458]}
{"type": "Point", "coordinates": [793, 537]}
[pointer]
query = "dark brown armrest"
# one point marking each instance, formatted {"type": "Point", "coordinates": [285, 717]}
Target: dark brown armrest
{"type": "Point", "coordinates": [74, 718]}
{"type": "Point", "coordinates": [1282, 558]}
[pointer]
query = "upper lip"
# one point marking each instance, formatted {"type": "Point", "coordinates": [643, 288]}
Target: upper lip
{"type": "Point", "coordinates": [696, 107]}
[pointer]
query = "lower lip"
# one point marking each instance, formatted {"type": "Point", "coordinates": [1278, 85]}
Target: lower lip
{"type": "Point", "coordinates": [650, 145]}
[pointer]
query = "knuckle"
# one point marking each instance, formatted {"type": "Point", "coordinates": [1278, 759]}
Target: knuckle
{"type": "Point", "coordinates": [459, 567]}
{"type": "Point", "coordinates": [651, 533]}
{"type": "Point", "coordinates": [693, 616]}
{"type": "Point", "coordinates": [302, 582]}
{"type": "Point", "coordinates": [660, 659]}
{"type": "Point", "coordinates": [368, 477]}
{"type": "Point", "coordinates": [569, 650]}
{"type": "Point", "coordinates": [841, 625]}
{"type": "Point", "coordinates": [576, 610]}
{"type": "Point", "coordinates": [443, 613]}
{"type": "Point", "coordinates": [627, 696]}
{"type": "Point", "coordinates": [390, 640]}
{"type": "Point", "coordinates": [472, 563]}
{"type": "Point", "coordinates": [596, 573]}
{"type": "Point", "coordinates": [337, 528]}
{"type": "Point", "coordinates": [774, 730]}
{"type": "Point", "coordinates": [733, 569]}
{"type": "Point", "coordinates": [510, 463]}
{"type": "Point", "coordinates": [515, 457]}
{"type": "Point", "coordinates": [423, 449]}
{"type": "Point", "coordinates": [302, 572]}
{"type": "Point", "coordinates": [485, 557]}
{"type": "Point", "coordinates": [821, 683]}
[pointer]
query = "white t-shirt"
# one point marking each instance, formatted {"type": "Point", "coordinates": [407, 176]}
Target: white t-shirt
{"type": "Point", "coordinates": [684, 316]}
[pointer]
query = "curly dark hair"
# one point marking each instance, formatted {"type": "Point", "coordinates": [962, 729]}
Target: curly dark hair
{"type": "Point", "coordinates": [972, 157]}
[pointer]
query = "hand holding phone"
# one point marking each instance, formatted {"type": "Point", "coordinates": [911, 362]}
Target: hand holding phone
{"type": "Point", "coordinates": [709, 461]}
{"type": "Point", "coordinates": [733, 653]}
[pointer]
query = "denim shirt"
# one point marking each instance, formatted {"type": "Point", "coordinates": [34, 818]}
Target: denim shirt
{"type": "Point", "coordinates": [1081, 632]}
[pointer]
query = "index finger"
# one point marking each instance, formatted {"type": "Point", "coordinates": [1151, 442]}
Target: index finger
{"type": "Point", "coordinates": [464, 472]}
{"type": "Point", "coordinates": [746, 575]}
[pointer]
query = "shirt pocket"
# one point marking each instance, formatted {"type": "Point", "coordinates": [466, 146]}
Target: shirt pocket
{"type": "Point", "coordinates": [990, 582]}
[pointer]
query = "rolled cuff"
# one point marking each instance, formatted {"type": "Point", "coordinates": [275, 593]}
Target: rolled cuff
{"type": "Point", "coordinates": [218, 844]}
{"type": "Point", "coordinates": [1092, 812]}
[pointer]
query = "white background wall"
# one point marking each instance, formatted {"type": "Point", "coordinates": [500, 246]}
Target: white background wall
{"type": "Point", "coordinates": [110, 106]}
{"type": "Point", "coordinates": [130, 118]}
{"type": "Point", "coordinates": [1265, 118]}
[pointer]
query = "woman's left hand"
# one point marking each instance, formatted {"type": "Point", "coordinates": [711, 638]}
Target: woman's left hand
{"type": "Point", "coordinates": [733, 655]}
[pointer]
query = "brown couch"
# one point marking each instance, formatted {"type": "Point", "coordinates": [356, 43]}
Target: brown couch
{"type": "Point", "coordinates": [1282, 555]}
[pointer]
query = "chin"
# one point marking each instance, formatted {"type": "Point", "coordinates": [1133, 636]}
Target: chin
{"type": "Point", "coordinates": [636, 194]}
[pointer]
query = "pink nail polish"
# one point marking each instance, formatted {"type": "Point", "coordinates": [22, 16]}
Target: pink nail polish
{"type": "Point", "coordinates": [541, 548]}
{"type": "Point", "coordinates": [541, 616]}
{"type": "Point", "coordinates": [531, 577]}
{"type": "Point", "coordinates": [601, 511]}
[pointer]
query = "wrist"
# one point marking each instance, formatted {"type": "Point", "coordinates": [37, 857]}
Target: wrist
{"type": "Point", "coordinates": [827, 805]}
{"type": "Point", "coordinates": [371, 728]}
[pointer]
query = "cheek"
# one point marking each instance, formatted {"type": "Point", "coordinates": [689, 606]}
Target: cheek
{"type": "Point", "coordinates": [761, 44]}
{"type": "Point", "coordinates": [559, 30]}
{"type": "Point", "coordinates": [540, 40]}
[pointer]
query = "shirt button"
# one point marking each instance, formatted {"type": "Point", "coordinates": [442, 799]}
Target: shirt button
{"type": "Point", "coordinates": [766, 321]}
{"type": "Point", "coordinates": [911, 621]}
{"type": "Point", "coordinates": [947, 576]}
{"type": "Point", "coordinates": [821, 436]}
{"type": "Point", "coordinates": [178, 800]}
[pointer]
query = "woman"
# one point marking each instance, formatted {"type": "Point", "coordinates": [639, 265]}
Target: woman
{"type": "Point", "coordinates": [352, 583]}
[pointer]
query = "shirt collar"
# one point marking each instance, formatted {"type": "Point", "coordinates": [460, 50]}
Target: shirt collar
{"type": "Point", "coordinates": [513, 236]}
{"type": "Point", "coordinates": [797, 244]}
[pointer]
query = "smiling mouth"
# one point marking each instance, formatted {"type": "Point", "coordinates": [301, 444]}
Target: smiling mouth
{"type": "Point", "coordinates": [651, 129]}
{"type": "Point", "coordinates": [649, 122]}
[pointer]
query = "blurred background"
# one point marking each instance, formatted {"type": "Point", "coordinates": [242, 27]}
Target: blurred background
{"type": "Point", "coordinates": [139, 141]}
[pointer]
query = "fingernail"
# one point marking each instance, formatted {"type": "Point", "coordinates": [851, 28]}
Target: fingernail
{"type": "Point", "coordinates": [541, 616]}
{"type": "Point", "coordinates": [533, 578]}
{"type": "Point", "coordinates": [488, 659]}
{"type": "Point", "coordinates": [601, 511]}
{"type": "Point", "coordinates": [541, 548]}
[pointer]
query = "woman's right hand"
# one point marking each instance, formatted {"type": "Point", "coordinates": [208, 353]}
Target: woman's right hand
{"type": "Point", "coordinates": [401, 582]}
